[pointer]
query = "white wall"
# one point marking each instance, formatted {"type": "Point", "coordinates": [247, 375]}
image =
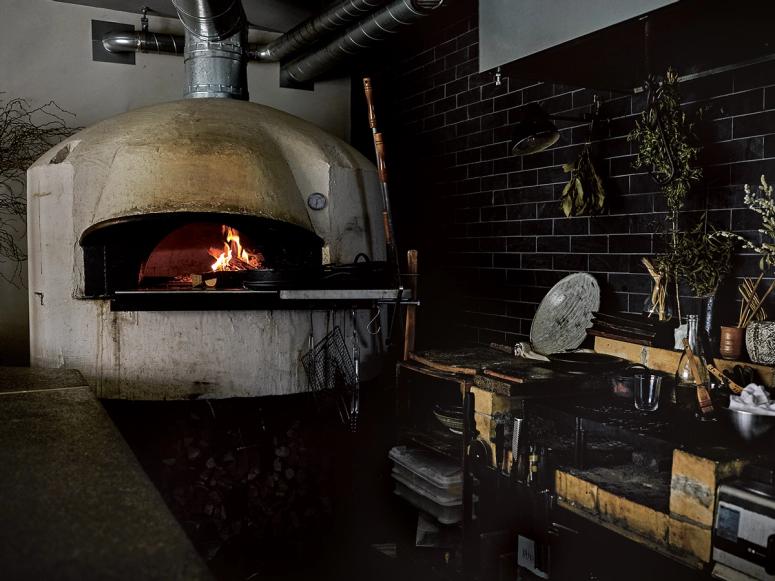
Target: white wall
{"type": "Point", "coordinates": [45, 54]}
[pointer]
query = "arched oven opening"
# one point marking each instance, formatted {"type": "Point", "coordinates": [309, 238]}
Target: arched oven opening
{"type": "Point", "coordinates": [195, 251]}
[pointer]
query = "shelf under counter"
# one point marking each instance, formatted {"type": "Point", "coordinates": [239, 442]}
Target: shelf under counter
{"type": "Point", "coordinates": [446, 444]}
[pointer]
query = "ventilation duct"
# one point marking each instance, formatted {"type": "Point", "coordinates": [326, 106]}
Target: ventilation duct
{"type": "Point", "coordinates": [366, 34]}
{"type": "Point", "coordinates": [143, 41]}
{"type": "Point", "coordinates": [215, 47]}
{"type": "Point", "coordinates": [312, 30]}
{"type": "Point", "coordinates": [216, 51]}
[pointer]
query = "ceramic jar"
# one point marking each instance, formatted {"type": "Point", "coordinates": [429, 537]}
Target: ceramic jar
{"type": "Point", "coordinates": [760, 342]}
{"type": "Point", "coordinates": [731, 342]}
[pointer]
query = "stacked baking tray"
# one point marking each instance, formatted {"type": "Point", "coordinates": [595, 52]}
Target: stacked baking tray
{"type": "Point", "coordinates": [430, 482]}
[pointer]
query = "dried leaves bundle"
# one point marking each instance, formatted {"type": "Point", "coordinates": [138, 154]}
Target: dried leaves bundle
{"type": "Point", "coordinates": [584, 194]}
{"type": "Point", "coordinates": [26, 133]}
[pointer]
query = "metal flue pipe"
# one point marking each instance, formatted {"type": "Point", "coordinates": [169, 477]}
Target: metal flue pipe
{"type": "Point", "coordinates": [215, 47]}
{"type": "Point", "coordinates": [366, 34]}
{"type": "Point", "coordinates": [143, 41]}
{"type": "Point", "coordinates": [211, 19]}
{"type": "Point", "coordinates": [314, 29]}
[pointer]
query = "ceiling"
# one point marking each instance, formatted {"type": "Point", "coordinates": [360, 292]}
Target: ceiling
{"type": "Point", "coordinates": [274, 15]}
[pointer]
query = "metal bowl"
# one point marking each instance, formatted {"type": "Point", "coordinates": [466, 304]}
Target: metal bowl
{"type": "Point", "coordinates": [451, 417]}
{"type": "Point", "coordinates": [748, 425]}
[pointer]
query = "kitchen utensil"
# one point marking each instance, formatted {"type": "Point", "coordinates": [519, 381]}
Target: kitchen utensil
{"type": "Point", "coordinates": [733, 387]}
{"type": "Point", "coordinates": [565, 313]}
{"type": "Point", "coordinates": [646, 388]}
{"type": "Point", "coordinates": [379, 150]}
{"type": "Point", "coordinates": [748, 425]}
{"type": "Point", "coordinates": [516, 434]}
{"type": "Point", "coordinates": [703, 397]}
{"type": "Point", "coordinates": [451, 417]}
{"type": "Point", "coordinates": [331, 371]}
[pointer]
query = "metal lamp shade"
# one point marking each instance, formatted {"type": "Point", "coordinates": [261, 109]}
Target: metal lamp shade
{"type": "Point", "coordinates": [534, 133]}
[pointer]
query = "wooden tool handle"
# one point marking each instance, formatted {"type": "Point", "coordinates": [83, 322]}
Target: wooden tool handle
{"type": "Point", "coordinates": [703, 397]}
{"type": "Point", "coordinates": [370, 103]}
{"type": "Point", "coordinates": [379, 148]}
{"type": "Point", "coordinates": [693, 363]}
{"type": "Point", "coordinates": [412, 266]}
{"type": "Point", "coordinates": [734, 387]}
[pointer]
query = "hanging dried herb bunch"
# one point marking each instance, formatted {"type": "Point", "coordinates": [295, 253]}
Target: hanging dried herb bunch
{"type": "Point", "coordinates": [26, 133]}
{"type": "Point", "coordinates": [584, 194]}
{"type": "Point", "coordinates": [698, 257]}
{"type": "Point", "coordinates": [667, 146]}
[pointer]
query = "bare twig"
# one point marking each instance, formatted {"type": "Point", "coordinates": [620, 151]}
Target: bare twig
{"type": "Point", "coordinates": [26, 133]}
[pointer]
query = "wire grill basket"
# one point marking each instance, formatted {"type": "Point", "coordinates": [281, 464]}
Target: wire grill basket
{"type": "Point", "coordinates": [328, 363]}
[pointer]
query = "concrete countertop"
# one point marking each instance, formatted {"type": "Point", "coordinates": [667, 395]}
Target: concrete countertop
{"type": "Point", "coordinates": [75, 502]}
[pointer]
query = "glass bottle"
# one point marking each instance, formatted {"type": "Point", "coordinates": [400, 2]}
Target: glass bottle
{"type": "Point", "coordinates": [684, 375]}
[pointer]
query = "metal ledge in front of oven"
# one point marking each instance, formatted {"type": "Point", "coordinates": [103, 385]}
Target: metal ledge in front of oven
{"type": "Point", "coordinates": [245, 300]}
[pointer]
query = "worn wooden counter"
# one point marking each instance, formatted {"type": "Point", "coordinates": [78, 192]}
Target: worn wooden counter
{"type": "Point", "coordinates": [663, 494]}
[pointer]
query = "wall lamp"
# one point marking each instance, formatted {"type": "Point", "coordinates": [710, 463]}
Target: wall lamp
{"type": "Point", "coordinates": [536, 132]}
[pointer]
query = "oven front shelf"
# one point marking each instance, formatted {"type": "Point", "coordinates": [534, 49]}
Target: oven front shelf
{"type": "Point", "coordinates": [242, 299]}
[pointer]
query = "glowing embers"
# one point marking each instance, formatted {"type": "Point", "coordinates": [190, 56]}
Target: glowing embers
{"type": "Point", "coordinates": [234, 256]}
{"type": "Point", "coordinates": [199, 251]}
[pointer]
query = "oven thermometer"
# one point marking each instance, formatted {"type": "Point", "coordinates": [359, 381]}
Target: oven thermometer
{"type": "Point", "coordinates": [317, 201]}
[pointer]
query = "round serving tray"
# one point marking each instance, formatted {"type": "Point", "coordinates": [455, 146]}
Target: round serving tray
{"type": "Point", "coordinates": [565, 313]}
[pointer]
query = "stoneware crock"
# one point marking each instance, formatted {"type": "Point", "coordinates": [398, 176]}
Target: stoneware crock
{"type": "Point", "coordinates": [760, 342]}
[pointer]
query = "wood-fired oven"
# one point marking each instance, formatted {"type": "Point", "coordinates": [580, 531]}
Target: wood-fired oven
{"type": "Point", "coordinates": [161, 241]}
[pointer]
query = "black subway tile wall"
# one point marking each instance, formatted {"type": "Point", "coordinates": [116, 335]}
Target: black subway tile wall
{"type": "Point", "coordinates": [488, 225]}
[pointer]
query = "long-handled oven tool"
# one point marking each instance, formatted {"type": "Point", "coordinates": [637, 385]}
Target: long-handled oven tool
{"type": "Point", "coordinates": [379, 150]}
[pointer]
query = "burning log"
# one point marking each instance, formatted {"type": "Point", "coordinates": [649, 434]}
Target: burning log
{"type": "Point", "coordinates": [234, 256]}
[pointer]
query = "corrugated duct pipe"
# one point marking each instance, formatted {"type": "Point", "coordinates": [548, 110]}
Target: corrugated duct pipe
{"type": "Point", "coordinates": [316, 28]}
{"type": "Point", "coordinates": [216, 50]}
{"type": "Point", "coordinates": [215, 47]}
{"type": "Point", "coordinates": [371, 31]}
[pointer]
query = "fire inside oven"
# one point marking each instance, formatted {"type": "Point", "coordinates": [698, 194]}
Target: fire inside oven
{"type": "Point", "coordinates": [197, 251]}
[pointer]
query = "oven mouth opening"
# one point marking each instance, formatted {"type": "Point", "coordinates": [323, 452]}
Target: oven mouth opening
{"type": "Point", "coordinates": [186, 251]}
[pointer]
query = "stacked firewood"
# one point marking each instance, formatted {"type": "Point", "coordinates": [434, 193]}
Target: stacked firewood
{"type": "Point", "coordinates": [241, 483]}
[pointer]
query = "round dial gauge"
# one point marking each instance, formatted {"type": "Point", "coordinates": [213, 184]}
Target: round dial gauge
{"type": "Point", "coordinates": [317, 201]}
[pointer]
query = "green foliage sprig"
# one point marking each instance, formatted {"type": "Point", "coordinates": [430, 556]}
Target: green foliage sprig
{"type": "Point", "coordinates": [700, 258]}
{"type": "Point", "coordinates": [667, 145]}
{"type": "Point", "coordinates": [760, 200]}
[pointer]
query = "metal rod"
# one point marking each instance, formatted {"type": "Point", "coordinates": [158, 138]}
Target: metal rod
{"type": "Point", "coordinates": [718, 70]}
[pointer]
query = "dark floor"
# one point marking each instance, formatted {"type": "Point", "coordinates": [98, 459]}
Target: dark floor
{"type": "Point", "coordinates": [275, 487]}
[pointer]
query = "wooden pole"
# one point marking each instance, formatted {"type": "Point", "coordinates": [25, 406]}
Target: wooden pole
{"type": "Point", "coordinates": [412, 269]}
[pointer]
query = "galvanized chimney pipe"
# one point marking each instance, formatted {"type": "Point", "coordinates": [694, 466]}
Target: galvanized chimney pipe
{"type": "Point", "coordinates": [215, 48]}
{"type": "Point", "coordinates": [371, 31]}
{"type": "Point", "coordinates": [143, 41]}
{"type": "Point", "coordinates": [314, 29]}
